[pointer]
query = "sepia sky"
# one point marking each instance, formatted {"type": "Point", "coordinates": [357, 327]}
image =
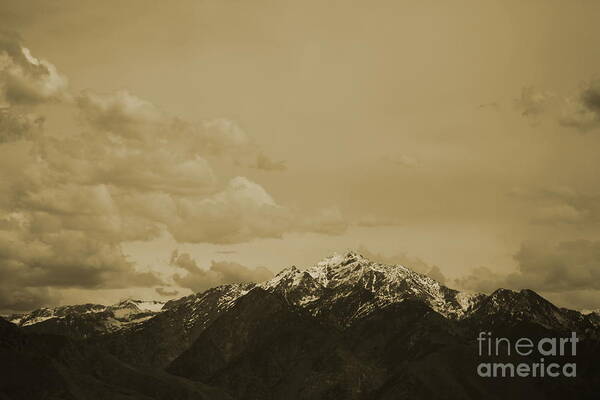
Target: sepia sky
{"type": "Point", "coordinates": [151, 149]}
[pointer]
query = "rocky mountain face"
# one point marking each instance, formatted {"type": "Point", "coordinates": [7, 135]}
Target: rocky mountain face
{"type": "Point", "coordinates": [345, 328]}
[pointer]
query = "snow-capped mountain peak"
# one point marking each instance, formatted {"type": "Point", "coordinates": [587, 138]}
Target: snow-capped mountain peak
{"type": "Point", "coordinates": [350, 268]}
{"type": "Point", "coordinates": [86, 319]}
{"type": "Point", "coordinates": [337, 259]}
{"type": "Point", "coordinates": [140, 305]}
{"type": "Point", "coordinates": [340, 275]}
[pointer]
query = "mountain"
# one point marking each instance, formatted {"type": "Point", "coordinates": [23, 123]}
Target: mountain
{"type": "Point", "coordinates": [343, 288]}
{"type": "Point", "coordinates": [508, 308]}
{"type": "Point", "coordinates": [594, 318]}
{"type": "Point", "coordinates": [262, 348]}
{"type": "Point", "coordinates": [159, 340]}
{"type": "Point", "coordinates": [345, 328]}
{"type": "Point", "coordinates": [41, 366]}
{"type": "Point", "coordinates": [86, 320]}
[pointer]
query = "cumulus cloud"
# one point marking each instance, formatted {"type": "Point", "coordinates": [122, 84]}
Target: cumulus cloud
{"type": "Point", "coordinates": [25, 79]}
{"type": "Point", "coordinates": [120, 113]}
{"type": "Point", "coordinates": [34, 259]}
{"type": "Point", "coordinates": [218, 273]}
{"type": "Point", "coordinates": [57, 230]}
{"type": "Point", "coordinates": [63, 258]}
{"type": "Point", "coordinates": [132, 172]}
{"type": "Point", "coordinates": [15, 126]}
{"type": "Point", "coordinates": [124, 117]}
{"type": "Point", "coordinates": [241, 211]}
{"type": "Point", "coordinates": [414, 263]}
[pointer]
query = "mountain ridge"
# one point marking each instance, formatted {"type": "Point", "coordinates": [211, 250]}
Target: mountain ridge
{"type": "Point", "coordinates": [316, 288]}
{"type": "Point", "coordinates": [345, 328]}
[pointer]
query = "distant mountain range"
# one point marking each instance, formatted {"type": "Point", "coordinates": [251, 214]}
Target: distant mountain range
{"type": "Point", "coordinates": [345, 328]}
{"type": "Point", "coordinates": [85, 320]}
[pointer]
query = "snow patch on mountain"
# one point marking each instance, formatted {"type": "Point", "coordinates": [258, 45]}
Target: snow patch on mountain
{"type": "Point", "coordinates": [342, 273]}
{"type": "Point", "coordinates": [113, 317]}
{"type": "Point", "coordinates": [201, 308]}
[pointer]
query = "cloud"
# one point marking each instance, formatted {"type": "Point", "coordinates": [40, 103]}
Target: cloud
{"type": "Point", "coordinates": [480, 279]}
{"type": "Point", "coordinates": [533, 103]}
{"type": "Point", "coordinates": [583, 111]}
{"type": "Point", "coordinates": [127, 118]}
{"type": "Point", "coordinates": [266, 164]}
{"type": "Point", "coordinates": [414, 263]}
{"type": "Point", "coordinates": [16, 299]}
{"type": "Point", "coordinates": [580, 111]}
{"type": "Point", "coordinates": [15, 126]}
{"type": "Point", "coordinates": [435, 273]}
{"type": "Point", "coordinates": [562, 205]}
{"type": "Point", "coordinates": [242, 211]}
{"type": "Point", "coordinates": [221, 136]}
{"type": "Point", "coordinates": [25, 79]}
{"type": "Point", "coordinates": [131, 172]}
{"type": "Point", "coordinates": [167, 141]}
{"type": "Point", "coordinates": [63, 258]}
{"type": "Point", "coordinates": [119, 113]}
{"type": "Point", "coordinates": [166, 292]}
{"type": "Point", "coordinates": [569, 265]}
{"type": "Point", "coordinates": [219, 273]}
{"type": "Point", "coordinates": [568, 272]}
{"type": "Point", "coordinates": [33, 260]}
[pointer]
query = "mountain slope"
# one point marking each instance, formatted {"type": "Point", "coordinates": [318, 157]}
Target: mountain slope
{"type": "Point", "coordinates": [159, 340]}
{"type": "Point", "coordinates": [54, 367]}
{"type": "Point", "coordinates": [507, 308]}
{"type": "Point", "coordinates": [264, 349]}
